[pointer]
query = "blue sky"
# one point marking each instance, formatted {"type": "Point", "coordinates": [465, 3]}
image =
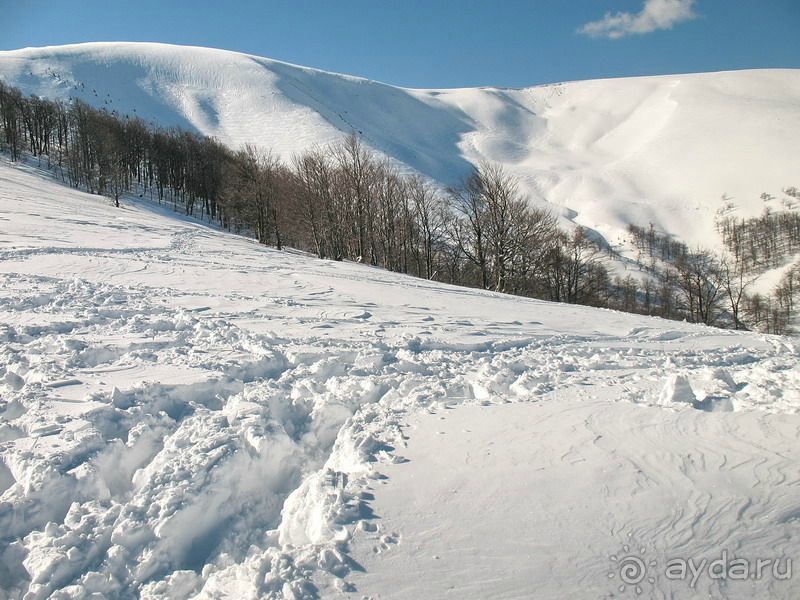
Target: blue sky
{"type": "Point", "coordinates": [438, 43]}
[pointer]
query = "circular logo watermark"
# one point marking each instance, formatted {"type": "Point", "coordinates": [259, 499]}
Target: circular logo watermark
{"type": "Point", "coordinates": [632, 569]}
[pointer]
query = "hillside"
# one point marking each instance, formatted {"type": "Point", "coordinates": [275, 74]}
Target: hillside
{"type": "Point", "coordinates": [605, 153]}
{"type": "Point", "coordinates": [186, 413]}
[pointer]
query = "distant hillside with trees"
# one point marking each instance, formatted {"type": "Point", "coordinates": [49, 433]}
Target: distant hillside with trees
{"type": "Point", "coordinates": [343, 201]}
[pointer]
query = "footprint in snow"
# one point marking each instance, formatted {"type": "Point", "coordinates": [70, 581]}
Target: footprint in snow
{"type": "Point", "coordinates": [362, 315]}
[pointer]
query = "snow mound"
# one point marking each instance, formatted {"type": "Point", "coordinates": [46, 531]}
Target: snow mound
{"type": "Point", "coordinates": [677, 390]}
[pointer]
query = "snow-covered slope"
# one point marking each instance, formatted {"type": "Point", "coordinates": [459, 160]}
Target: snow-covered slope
{"type": "Point", "coordinates": [184, 413]}
{"type": "Point", "coordinates": [606, 153]}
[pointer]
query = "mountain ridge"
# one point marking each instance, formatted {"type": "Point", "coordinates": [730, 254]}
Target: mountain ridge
{"type": "Point", "coordinates": [191, 47]}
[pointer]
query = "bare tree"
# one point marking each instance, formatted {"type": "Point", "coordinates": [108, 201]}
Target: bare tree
{"type": "Point", "coordinates": [699, 282]}
{"type": "Point", "coordinates": [734, 280]}
{"type": "Point", "coordinates": [255, 185]}
{"type": "Point", "coordinates": [354, 161]}
{"type": "Point", "coordinates": [429, 212]}
{"type": "Point", "coordinates": [470, 231]}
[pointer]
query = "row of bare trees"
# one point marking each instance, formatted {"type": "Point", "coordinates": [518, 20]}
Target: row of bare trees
{"type": "Point", "coordinates": [105, 154]}
{"type": "Point", "coordinates": [345, 202]}
{"type": "Point", "coordinates": [762, 242]}
{"type": "Point", "coordinates": [349, 203]}
{"type": "Point", "coordinates": [717, 288]}
{"type": "Point", "coordinates": [341, 201]}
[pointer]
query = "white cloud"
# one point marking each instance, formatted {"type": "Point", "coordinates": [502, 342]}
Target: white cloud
{"type": "Point", "coordinates": [655, 14]}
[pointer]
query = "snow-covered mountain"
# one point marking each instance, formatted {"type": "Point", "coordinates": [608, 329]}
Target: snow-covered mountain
{"type": "Point", "coordinates": [661, 150]}
{"type": "Point", "coordinates": [185, 413]}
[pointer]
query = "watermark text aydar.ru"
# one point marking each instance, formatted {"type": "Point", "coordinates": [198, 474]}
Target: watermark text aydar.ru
{"type": "Point", "coordinates": [727, 567]}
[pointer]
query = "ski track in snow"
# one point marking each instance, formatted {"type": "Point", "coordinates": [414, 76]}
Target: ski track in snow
{"type": "Point", "coordinates": [186, 414]}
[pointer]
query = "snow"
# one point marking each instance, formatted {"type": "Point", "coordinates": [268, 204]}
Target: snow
{"type": "Point", "coordinates": [185, 413]}
{"type": "Point", "coordinates": [677, 389]}
{"type": "Point", "coordinates": [604, 153]}
{"type": "Point", "coordinates": [533, 499]}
